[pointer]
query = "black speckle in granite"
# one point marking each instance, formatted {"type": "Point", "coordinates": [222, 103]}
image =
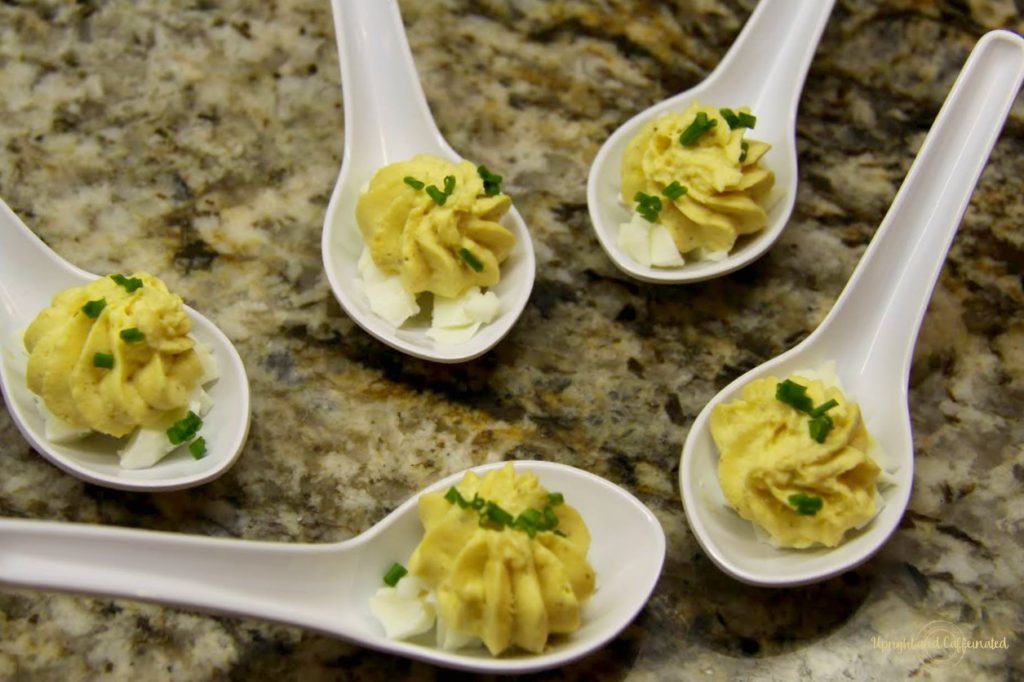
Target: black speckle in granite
{"type": "Point", "coordinates": [282, 364]}
{"type": "Point", "coordinates": [626, 314]}
{"type": "Point", "coordinates": [963, 536]}
{"type": "Point", "coordinates": [919, 579]}
{"type": "Point", "coordinates": [674, 410]}
{"type": "Point", "coordinates": [549, 294]}
{"type": "Point", "coordinates": [194, 254]}
{"type": "Point", "coordinates": [635, 367]}
{"type": "Point", "coordinates": [182, 192]}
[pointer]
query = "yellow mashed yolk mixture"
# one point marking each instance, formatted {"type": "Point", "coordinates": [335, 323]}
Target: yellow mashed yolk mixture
{"type": "Point", "coordinates": [112, 356]}
{"type": "Point", "coordinates": [711, 189]}
{"type": "Point", "coordinates": [499, 582]}
{"type": "Point", "coordinates": [433, 223]}
{"type": "Point", "coordinates": [776, 473]}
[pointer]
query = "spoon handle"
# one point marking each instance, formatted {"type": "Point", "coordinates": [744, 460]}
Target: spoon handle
{"type": "Point", "coordinates": [885, 300]}
{"type": "Point", "coordinates": [774, 51]}
{"type": "Point", "coordinates": [386, 112]}
{"type": "Point", "coordinates": [276, 581]}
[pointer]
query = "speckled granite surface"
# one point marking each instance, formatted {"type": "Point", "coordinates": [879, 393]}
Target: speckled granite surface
{"type": "Point", "coordinates": [200, 140]}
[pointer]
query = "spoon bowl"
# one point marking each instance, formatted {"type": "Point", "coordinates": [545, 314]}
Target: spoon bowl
{"type": "Point", "coordinates": [327, 587]}
{"type": "Point", "coordinates": [870, 332]}
{"type": "Point", "coordinates": [764, 70]}
{"type": "Point", "coordinates": [387, 120]}
{"type": "Point", "coordinates": [32, 275]}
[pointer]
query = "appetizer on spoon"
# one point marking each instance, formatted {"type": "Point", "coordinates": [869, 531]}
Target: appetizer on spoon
{"type": "Point", "coordinates": [703, 183]}
{"type": "Point", "coordinates": [328, 587]}
{"type": "Point", "coordinates": [96, 376]}
{"type": "Point", "coordinates": [410, 222]}
{"type": "Point", "coordinates": [869, 336]}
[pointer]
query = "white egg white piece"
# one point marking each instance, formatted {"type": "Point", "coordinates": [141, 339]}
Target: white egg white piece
{"type": "Point", "coordinates": [403, 610]}
{"type": "Point", "coordinates": [387, 297]}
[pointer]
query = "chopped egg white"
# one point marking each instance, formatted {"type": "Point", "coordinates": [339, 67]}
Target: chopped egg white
{"type": "Point", "coordinates": [388, 298]}
{"type": "Point", "coordinates": [146, 447]}
{"type": "Point", "coordinates": [404, 610]}
{"type": "Point", "coordinates": [649, 244]}
{"type": "Point", "coordinates": [453, 320]}
{"type": "Point", "coordinates": [407, 610]}
{"type": "Point", "coordinates": [456, 320]}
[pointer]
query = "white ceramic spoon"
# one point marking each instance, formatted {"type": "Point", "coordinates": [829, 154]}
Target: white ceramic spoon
{"type": "Point", "coordinates": [30, 274]}
{"type": "Point", "coordinates": [387, 120]}
{"type": "Point", "coordinates": [871, 330]}
{"type": "Point", "coordinates": [327, 587]}
{"type": "Point", "coordinates": [764, 70]}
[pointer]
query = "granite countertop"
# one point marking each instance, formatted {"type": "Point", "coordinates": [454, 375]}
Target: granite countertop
{"type": "Point", "coordinates": [200, 140]}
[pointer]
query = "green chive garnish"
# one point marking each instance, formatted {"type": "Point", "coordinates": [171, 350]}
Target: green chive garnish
{"type": "Point", "coordinates": [819, 427]}
{"type": "Point", "coordinates": [674, 190]}
{"type": "Point", "coordinates": [492, 182]}
{"type": "Point", "coordinates": [394, 574]}
{"type": "Point", "coordinates": [92, 309]}
{"type": "Point", "coordinates": [412, 182]}
{"type": "Point", "coordinates": [471, 260]}
{"type": "Point", "coordinates": [130, 285]}
{"type": "Point", "coordinates": [497, 515]}
{"type": "Point", "coordinates": [437, 195]}
{"type": "Point", "coordinates": [701, 124]}
{"type": "Point", "coordinates": [744, 148]}
{"type": "Point", "coordinates": [455, 497]}
{"type": "Point", "coordinates": [647, 206]}
{"type": "Point", "coordinates": [449, 184]}
{"type": "Point", "coordinates": [794, 395]}
{"type": "Point", "coordinates": [198, 448]}
{"type": "Point", "coordinates": [132, 335]}
{"type": "Point", "coordinates": [740, 120]}
{"type": "Point", "coordinates": [806, 505]}
{"type": "Point", "coordinates": [103, 361]}
{"type": "Point", "coordinates": [491, 515]}
{"type": "Point", "coordinates": [184, 429]}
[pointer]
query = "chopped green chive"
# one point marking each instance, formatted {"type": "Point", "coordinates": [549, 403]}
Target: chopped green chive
{"type": "Point", "coordinates": [103, 361]}
{"type": "Point", "coordinates": [740, 120]}
{"type": "Point", "coordinates": [413, 182]}
{"type": "Point", "coordinates": [132, 335]}
{"type": "Point", "coordinates": [744, 148]}
{"type": "Point", "coordinates": [471, 260]}
{"type": "Point", "coordinates": [823, 408]}
{"type": "Point", "coordinates": [819, 427]}
{"type": "Point", "coordinates": [560, 533]}
{"type": "Point", "coordinates": [647, 206]}
{"type": "Point", "coordinates": [184, 429]}
{"type": "Point", "coordinates": [794, 395]}
{"type": "Point", "coordinates": [496, 515]}
{"type": "Point", "coordinates": [92, 309]}
{"type": "Point", "coordinates": [455, 497]}
{"type": "Point", "coordinates": [806, 505]}
{"type": "Point", "coordinates": [437, 195]}
{"type": "Point", "coordinates": [198, 448]}
{"type": "Point", "coordinates": [701, 124]}
{"type": "Point", "coordinates": [449, 184]}
{"type": "Point", "coordinates": [491, 515]}
{"type": "Point", "coordinates": [130, 285]}
{"type": "Point", "coordinates": [492, 182]}
{"type": "Point", "coordinates": [394, 574]}
{"type": "Point", "coordinates": [674, 190]}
